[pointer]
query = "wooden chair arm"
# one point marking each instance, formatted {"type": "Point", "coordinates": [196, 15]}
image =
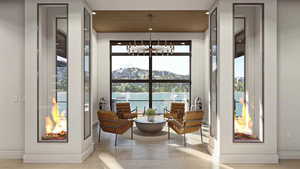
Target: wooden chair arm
{"type": "Point", "coordinates": [190, 126]}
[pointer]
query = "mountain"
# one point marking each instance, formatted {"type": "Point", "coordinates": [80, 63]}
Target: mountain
{"type": "Point", "coordinates": [137, 73]}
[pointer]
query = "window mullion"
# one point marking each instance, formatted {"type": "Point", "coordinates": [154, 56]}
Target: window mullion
{"type": "Point", "coordinates": [150, 80]}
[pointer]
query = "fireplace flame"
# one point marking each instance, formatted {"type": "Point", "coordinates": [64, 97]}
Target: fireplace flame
{"type": "Point", "coordinates": [49, 124]}
{"type": "Point", "coordinates": [55, 123]}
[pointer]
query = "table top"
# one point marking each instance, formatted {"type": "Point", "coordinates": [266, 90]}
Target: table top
{"type": "Point", "coordinates": [144, 119]}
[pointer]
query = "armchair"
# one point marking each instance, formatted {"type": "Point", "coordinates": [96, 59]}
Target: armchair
{"type": "Point", "coordinates": [124, 111]}
{"type": "Point", "coordinates": [109, 122]}
{"type": "Point", "coordinates": [176, 112]}
{"type": "Point", "coordinates": [192, 122]}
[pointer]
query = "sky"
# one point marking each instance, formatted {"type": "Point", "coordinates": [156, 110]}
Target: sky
{"type": "Point", "coordinates": [239, 67]}
{"type": "Point", "coordinates": [175, 64]}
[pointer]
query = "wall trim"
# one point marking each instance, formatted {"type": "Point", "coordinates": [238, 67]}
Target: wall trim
{"type": "Point", "coordinates": [289, 154]}
{"type": "Point", "coordinates": [88, 152]}
{"type": "Point", "coordinates": [11, 154]}
{"type": "Point", "coordinates": [59, 158]}
{"type": "Point", "coordinates": [269, 158]}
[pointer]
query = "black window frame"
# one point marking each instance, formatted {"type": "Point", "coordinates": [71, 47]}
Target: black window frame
{"type": "Point", "coordinates": [150, 80]}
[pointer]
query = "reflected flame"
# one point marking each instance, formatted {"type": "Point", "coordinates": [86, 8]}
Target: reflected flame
{"type": "Point", "coordinates": [56, 123]}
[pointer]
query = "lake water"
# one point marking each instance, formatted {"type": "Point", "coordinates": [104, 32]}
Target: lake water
{"type": "Point", "coordinates": [62, 101]}
{"type": "Point", "coordinates": [161, 100]}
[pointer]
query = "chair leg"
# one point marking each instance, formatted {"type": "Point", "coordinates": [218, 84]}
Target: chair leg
{"type": "Point", "coordinates": [131, 132]}
{"type": "Point", "coordinates": [201, 135]}
{"type": "Point", "coordinates": [184, 140]}
{"type": "Point", "coordinates": [168, 132]}
{"type": "Point", "coordinates": [116, 139]}
{"type": "Point", "coordinates": [99, 134]}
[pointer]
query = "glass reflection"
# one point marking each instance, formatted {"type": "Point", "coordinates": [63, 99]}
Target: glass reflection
{"type": "Point", "coordinates": [87, 74]}
{"type": "Point", "coordinates": [248, 73]}
{"type": "Point", "coordinates": [213, 72]}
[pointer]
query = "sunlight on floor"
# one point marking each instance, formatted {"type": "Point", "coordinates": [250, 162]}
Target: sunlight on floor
{"type": "Point", "coordinates": [201, 155]}
{"type": "Point", "coordinates": [109, 161]}
{"type": "Point", "coordinates": [193, 152]}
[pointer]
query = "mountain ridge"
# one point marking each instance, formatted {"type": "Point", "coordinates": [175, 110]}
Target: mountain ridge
{"type": "Point", "coordinates": [138, 73]}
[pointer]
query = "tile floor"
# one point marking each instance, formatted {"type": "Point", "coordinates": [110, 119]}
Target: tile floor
{"type": "Point", "coordinates": [141, 154]}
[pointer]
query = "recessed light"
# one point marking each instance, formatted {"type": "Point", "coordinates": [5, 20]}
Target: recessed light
{"type": "Point", "coordinates": [94, 13]}
{"type": "Point", "coordinates": [182, 43]}
{"type": "Point", "coordinates": [207, 13]}
{"type": "Point", "coordinates": [119, 43]}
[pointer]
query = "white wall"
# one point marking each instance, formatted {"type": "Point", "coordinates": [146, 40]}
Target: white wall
{"type": "Point", "coordinates": [230, 152]}
{"type": "Point", "coordinates": [198, 55]}
{"type": "Point", "coordinates": [289, 78]}
{"type": "Point", "coordinates": [150, 5]}
{"type": "Point", "coordinates": [12, 78]}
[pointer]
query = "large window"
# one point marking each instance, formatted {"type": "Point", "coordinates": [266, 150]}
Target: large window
{"type": "Point", "coordinates": [150, 80]}
{"type": "Point", "coordinates": [248, 22]}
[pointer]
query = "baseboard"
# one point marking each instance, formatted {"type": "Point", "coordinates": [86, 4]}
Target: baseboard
{"type": "Point", "coordinates": [88, 152]}
{"type": "Point", "coordinates": [289, 154]}
{"type": "Point", "coordinates": [11, 154]}
{"type": "Point", "coordinates": [249, 158]}
{"type": "Point", "coordinates": [58, 158]}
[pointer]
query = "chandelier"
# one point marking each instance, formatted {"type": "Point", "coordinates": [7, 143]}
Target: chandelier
{"type": "Point", "coordinates": [151, 46]}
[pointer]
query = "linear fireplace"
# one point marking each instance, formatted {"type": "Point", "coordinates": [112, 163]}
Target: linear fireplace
{"type": "Point", "coordinates": [57, 80]}
{"type": "Point", "coordinates": [52, 73]}
{"type": "Point", "coordinates": [55, 124]}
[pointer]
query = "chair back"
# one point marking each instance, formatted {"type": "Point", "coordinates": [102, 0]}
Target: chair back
{"type": "Point", "coordinates": [123, 108]}
{"type": "Point", "coordinates": [178, 109]}
{"type": "Point", "coordinates": [106, 119]}
{"type": "Point", "coordinates": [193, 121]}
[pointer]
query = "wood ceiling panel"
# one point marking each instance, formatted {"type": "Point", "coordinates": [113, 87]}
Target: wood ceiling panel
{"type": "Point", "coordinates": [162, 21]}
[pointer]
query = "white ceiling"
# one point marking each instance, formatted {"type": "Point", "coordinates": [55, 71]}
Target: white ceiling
{"type": "Point", "coordinates": [150, 4]}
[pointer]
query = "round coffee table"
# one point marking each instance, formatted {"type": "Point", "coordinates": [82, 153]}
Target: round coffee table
{"type": "Point", "coordinates": [150, 126]}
